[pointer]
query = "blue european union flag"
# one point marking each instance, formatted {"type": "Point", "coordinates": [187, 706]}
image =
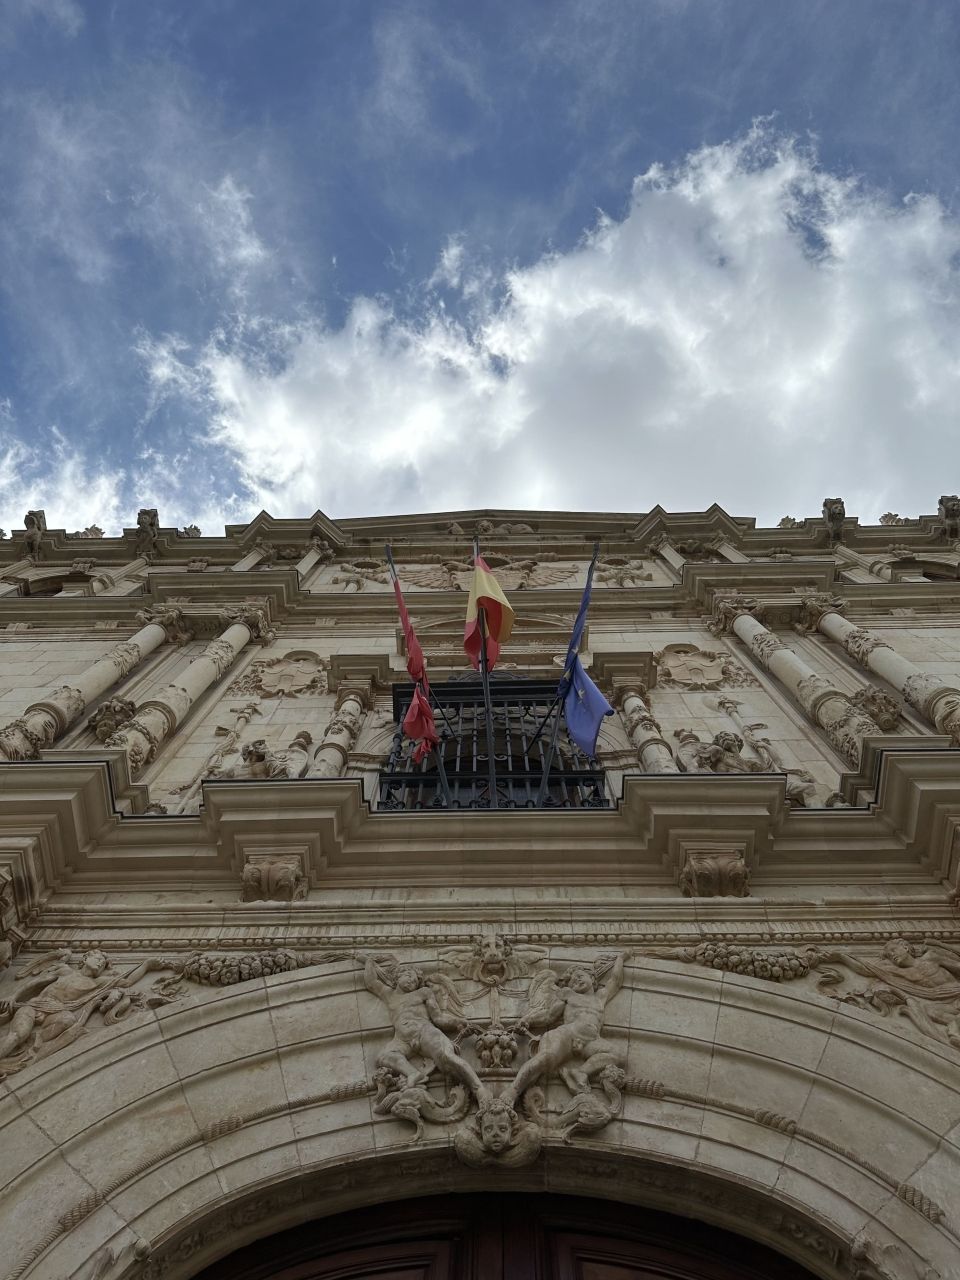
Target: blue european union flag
{"type": "Point", "coordinates": [584, 706]}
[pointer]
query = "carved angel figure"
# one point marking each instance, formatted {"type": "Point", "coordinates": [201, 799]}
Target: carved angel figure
{"type": "Point", "coordinates": [422, 1012]}
{"type": "Point", "coordinates": [721, 755]}
{"type": "Point", "coordinates": [577, 1001]}
{"type": "Point", "coordinates": [50, 1010]}
{"type": "Point", "coordinates": [259, 761]}
{"type": "Point", "coordinates": [922, 982]}
{"type": "Point", "coordinates": [497, 1135]}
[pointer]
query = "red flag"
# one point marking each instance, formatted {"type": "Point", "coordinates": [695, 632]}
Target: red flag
{"type": "Point", "coordinates": [416, 667]}
{"type": "Point", "coordinates": [419, 724]}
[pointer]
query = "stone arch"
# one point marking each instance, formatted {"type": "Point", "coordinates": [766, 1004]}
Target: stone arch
{"type": "Point", "coordinates": [239, 1111]}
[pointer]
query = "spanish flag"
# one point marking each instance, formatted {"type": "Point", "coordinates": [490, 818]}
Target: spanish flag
{"type": "Point", "coordinates": [486, 594]}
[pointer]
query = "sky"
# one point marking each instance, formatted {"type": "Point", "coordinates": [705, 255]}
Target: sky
{"type": "Point", "coordinates": [404, 255]}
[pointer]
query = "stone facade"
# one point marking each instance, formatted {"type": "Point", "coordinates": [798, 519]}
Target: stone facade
{"type": "Point", "coordinates": [237, 992]}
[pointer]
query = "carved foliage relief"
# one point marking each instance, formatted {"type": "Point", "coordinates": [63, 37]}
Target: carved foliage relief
{"type": "Point", "coordinates": [293, 674]}
{"type": "Point", "coordinates": [687, 667]}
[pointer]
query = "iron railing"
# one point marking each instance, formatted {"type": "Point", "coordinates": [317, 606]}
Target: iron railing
{"type": "Point", "coordinates": [520, 707]}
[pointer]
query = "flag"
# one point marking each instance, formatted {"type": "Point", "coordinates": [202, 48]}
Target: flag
{"type": "Point", "coordinates": [416, 666]}
{"type": "Point", "coordinates": [486, 594]}
{"type": "Point", "coordinates": [584, 706]}
{"type": "Point", "coordinates": [419, 724]}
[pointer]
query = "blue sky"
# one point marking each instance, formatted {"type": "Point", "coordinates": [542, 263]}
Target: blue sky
{"type": "Point", "coordinates": [377, 257]}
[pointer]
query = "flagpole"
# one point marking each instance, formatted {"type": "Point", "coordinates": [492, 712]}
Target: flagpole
{"type": "Point", "coordinates": [551, 750]}
{"type": "Point", "coordinates": [487, 701]}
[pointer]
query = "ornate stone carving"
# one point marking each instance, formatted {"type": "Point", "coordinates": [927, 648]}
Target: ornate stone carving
{"type": "Point", "coordinates": [322, 547]}
{"type": "Point", "coordinates": [35, 526]}
{"type": "Point", "coordinates": [879, 705]}
{"type": "Point", "coordinates": [497, 1135]}
{"type": "Point", "coordinates": [685, 666]}
{"type": "Point", "coordinates": [487, 529]}
{"type": "Point", "coordinates": [51, 1009]}
{"type": "Point", "coordinates": [288, 676]}
{"type": "Point", "coordinates": [221, 653]}
{"type": "Point", "coordinates": [273, 878]}
{"type": "Point", "coordinates": [765, 644]}
{"type": "Point", "coordinates": [948, 511]}
{"type": "Point", "coordinates": [493, 960]}
{"type": "Point", "coordinates": [422, 1012]}
{"type": "Point", "coordinates": [148, 532]}
{"type": "Point", "coordinates": [109, 716]}
{"type": "Point", "coordinates": [255, 619]}
{"type": "Point", "coordinates": [801, 788]}
{"type": "Point", "coordinates": [729, 606]}
{"type": "Point", "coordinates": [859, 643]}
{"type": "Point", "coordinates": [714, 872]}
{"type": "Point", "coordinates": [871, 1261]}
{"type": "Point", "coordinates": [259, 762]}
{"type": "Point", "coordinates": [621, 571]}
{"type": "Point", "coordinates": [788, 522]}
{"type": "Point", "coordinates": [397, 1098]}
{"type": "Point", "coordinates": [834, 513]}
{"type": "Point", "coordinates": [891, 517]}
{"type": "Point", "coordinates": [513, 575]}
{"type": "Point", "coordinates": [723, 754]}
{"type": "Point", "coordinates": [197, 564]}
{"type": "Point", "coordinates": [357, 573]}
{"type": "Point", "coordinates": [85, 566]}
{"type": "Point", "coordinates": [168, 617]}
{"type": "Point", "coordinates": [814, 606]}
{"type": "Point", "coordinates": [189, 531]}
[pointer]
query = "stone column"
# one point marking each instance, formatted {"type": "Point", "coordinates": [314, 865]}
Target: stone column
{"type": "Point", "coordinates": [43, 722]}
{"type": "Point", "coordinates": [923, 690]}
{"type": "Point", "coordinates": [331, 756]}
{"type": "Point", "coordinates": [158, 717]}
{"type": "Point", "coordinates": [643, 731]}
{"type": "Point", "coordinates": [260, 551]}
{"type": "Point", "coordinates": [728, 550]}
{"type": "Point", "coordinates": [18, 566]}
{"type": "Point", "coordinates": [117, 582]}
{"type": "Point", "coordinates": [844, 723]}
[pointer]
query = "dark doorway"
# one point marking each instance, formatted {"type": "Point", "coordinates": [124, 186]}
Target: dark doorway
{"type": "Point", "coordinates": [504, 1237]}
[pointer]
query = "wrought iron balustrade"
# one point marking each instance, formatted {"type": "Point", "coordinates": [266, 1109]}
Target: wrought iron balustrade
{"type": "Point", "coordinates": [521, 742]}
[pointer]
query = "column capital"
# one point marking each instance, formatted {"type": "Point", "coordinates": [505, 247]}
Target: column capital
{"type": "Point", "coordinates": [254, 618]}
{"type": "Point", "coordinates": [728, 606]}
{"type": "Point", "coordinates": [814, 606]}
{"type": "Point", "coordinates": [168, 617]}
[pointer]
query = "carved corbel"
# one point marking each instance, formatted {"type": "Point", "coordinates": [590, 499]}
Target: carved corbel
{"type": "Point", "coordinates": [254, 618]}
{"type": "Point", "coordinates": [727, 607]}
{"type": "Point", "coordinates": [271, 877]}
{"type": "Point", "coordinates": [813, 607]}
{"type": "Point", "coordinates": [714, 871]}
{"type": "Point", "coordinates": [171, 619]}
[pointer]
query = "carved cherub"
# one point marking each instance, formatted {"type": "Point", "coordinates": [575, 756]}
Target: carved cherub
{"type": "Point", "coordinates": [577, 1001]}
{"type": "Point", "coordinates": [422, 1013]}
{"type": "Point", "coordinates": [49, 1011]}
{"type": "Point", "coordinates": [497, 1135]}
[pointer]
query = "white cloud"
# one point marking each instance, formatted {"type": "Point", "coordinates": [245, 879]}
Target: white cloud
{"type": "Point", "coordinates": [65, 15]}
{"type": "Point", "coordinates": [754, 331]}
{"type": "Point", "coordinates": [53, 476]}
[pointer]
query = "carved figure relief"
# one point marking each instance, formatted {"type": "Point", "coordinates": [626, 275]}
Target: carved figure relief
{"type": "Point", "coordinates": [487, 529]}
{"type": "Point", "coordinates": [299, 672]}
{"type": "Point", "coordinates": [891, 517]}
{"type": "Point", "coordinates": [560, 1017]}
{"type": "Point", "coordinates": [109, 716]}
{"type": "Point", "coordinates": [273, 878]}
{"type": "Point", "coordinates": [788, 522]}
{"type": "Point", "coordinates": [919, 982]}
{"type": "Point", "coordinates": [621, 571]}
{"type": "Point", "coordinates": [723, 754]}
{"type": "Point", "coordinates": [948, 510]}
{"type": "Point", "coordinates": [685, 666]}
{"type": "Point", "coordinates": [148, 532]}
{"type": "Point", "coordinates": [357, 573]}
{"type": "Point", "coordinates": [259, 762]}
{"type": "Point", "coordinates": [879, 705]}
{"type": "Point", "coordinates": [51, 1009]}
{"type": "Point", "coordinates": [834, 513]}
{"type": "Point", "coordinates": [91, 531]}
{"type": "Point", "coordinates": [35, 526]}
{"type": "Point", "coordinates": [513, 575]}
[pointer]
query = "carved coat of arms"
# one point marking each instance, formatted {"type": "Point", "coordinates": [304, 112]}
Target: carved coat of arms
{"type": "Point", "coordinates": [685, 666]}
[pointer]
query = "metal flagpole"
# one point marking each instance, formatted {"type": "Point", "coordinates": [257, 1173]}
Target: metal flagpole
{"type": "Point", "coordinates": [487, 701]}
{"type": "Point", "coordinates": [551, 750]}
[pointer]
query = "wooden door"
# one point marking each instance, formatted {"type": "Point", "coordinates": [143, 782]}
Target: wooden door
{"type": "Point", "coordinates": [504, 1237]}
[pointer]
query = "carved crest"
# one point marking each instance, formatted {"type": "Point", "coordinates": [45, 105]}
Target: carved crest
{"type": "Point", "coordinates": [290, 675]}
{"type": "Point", "coordinates": [686, 666]}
